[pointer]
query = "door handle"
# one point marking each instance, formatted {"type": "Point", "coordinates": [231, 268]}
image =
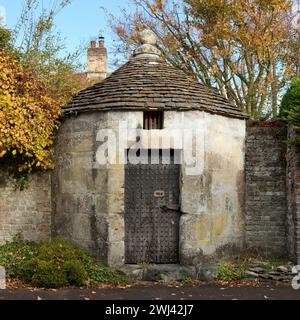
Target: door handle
{"type": "Point", "coordinates": [175, 208]}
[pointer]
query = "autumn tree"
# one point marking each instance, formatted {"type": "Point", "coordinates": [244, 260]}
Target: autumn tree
{"type": "Point", "coordinates": [36, 81]}
{"type": "Point", "coordinates": [243, 48]}
{"type": "Point", "coordinates": [28, 117]}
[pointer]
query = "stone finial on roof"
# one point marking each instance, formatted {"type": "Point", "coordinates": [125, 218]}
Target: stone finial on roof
{"type": "Point", "coordinates": [149, 47]}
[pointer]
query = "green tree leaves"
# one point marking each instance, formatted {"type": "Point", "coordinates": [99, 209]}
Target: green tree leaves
{"type": "Point", "coordinates": [290, 108]}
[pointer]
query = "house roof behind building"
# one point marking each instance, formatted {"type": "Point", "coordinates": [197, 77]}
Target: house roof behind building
{"type": "Point", "coordinates": [146, 82]}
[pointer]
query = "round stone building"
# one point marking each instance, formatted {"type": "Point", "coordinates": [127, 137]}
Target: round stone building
{"type": "Point", "coordinates": [150, 167]}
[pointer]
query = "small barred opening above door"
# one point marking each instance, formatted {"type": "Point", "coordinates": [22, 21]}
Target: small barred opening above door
{"type": "Point", "coordinates": [153, 120]}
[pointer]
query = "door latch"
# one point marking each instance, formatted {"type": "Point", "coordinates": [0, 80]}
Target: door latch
{"type": "Point", "coordinates": [159, 194]}
{"type": "Point", "coordinates": [173, 208]}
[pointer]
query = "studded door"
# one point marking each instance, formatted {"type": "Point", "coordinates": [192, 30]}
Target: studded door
{"type": "Point", "coordinates": [152, 213]}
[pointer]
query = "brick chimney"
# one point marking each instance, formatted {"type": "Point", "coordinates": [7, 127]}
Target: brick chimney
{"type": "Point", "coordinates": [97, 61]}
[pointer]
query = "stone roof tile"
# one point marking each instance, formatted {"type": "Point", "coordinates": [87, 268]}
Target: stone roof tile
{"type": "Point", "coordinates": [147, 83]}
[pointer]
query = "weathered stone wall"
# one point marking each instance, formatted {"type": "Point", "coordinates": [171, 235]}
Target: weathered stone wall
{"type": "Point", "coordinates": [266, 197]}
{"type": "Point", "coordinates": [88, 198]}
{"type": "Point", "coordinates": [77, 187]}
{"type": "Point", "coordinates": [88, 203]}
{"type": "Point", "coordinates": [26, 214]}
{"type": "Point", "coordinates": [213, 200]}
{"type": "Point", "coordinates": [293, 201]}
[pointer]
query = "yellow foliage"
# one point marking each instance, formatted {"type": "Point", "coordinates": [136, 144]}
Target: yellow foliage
{"type": "Point", "coordinates": [28, 117]}
{"type": "Point", "coordinates": [153, 9]}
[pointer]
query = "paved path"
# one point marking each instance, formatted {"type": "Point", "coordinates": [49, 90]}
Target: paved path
{"type": "Point", "coordinates": [158, 292]}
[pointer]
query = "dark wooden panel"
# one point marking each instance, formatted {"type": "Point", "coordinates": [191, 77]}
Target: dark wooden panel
{"type": "Point", "coordinates": [151, 229]}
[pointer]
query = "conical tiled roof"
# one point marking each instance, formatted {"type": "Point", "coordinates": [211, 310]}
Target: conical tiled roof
{"type": "Point", "coordinates": [146, 82]}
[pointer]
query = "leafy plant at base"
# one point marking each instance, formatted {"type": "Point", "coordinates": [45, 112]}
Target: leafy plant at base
{"type": "Point", "coordinates": [14, 254]}
{"type": "Point", "coordinates": [229, 271]}
{"type": "Point", "coordinates": [98, 274]}
{"type": "Point", "coordinates": [187, 281]}
{"type": "Point", "coordinates": [61, 263]}
{"type": "Point", "coordinates": [272, 263]}
{"type": "Point", "coordinates": [56, 265]}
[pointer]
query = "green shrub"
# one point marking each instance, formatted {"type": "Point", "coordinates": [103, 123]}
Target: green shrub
{"type": "Point", "coordinates": [14, 254]}
{"type": "Point", "coordinates": [61, 263]}
{"type": "Point", "coordinates": [56, 265]}
{"type": "Point", "coordinates": [49, 274]}
{"type": "Point", "coordinates": [291, 100]}
{"type": "Point", "coordinates": [290, 108]}
{"type": "Point", "coordinates": [229, 271]}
